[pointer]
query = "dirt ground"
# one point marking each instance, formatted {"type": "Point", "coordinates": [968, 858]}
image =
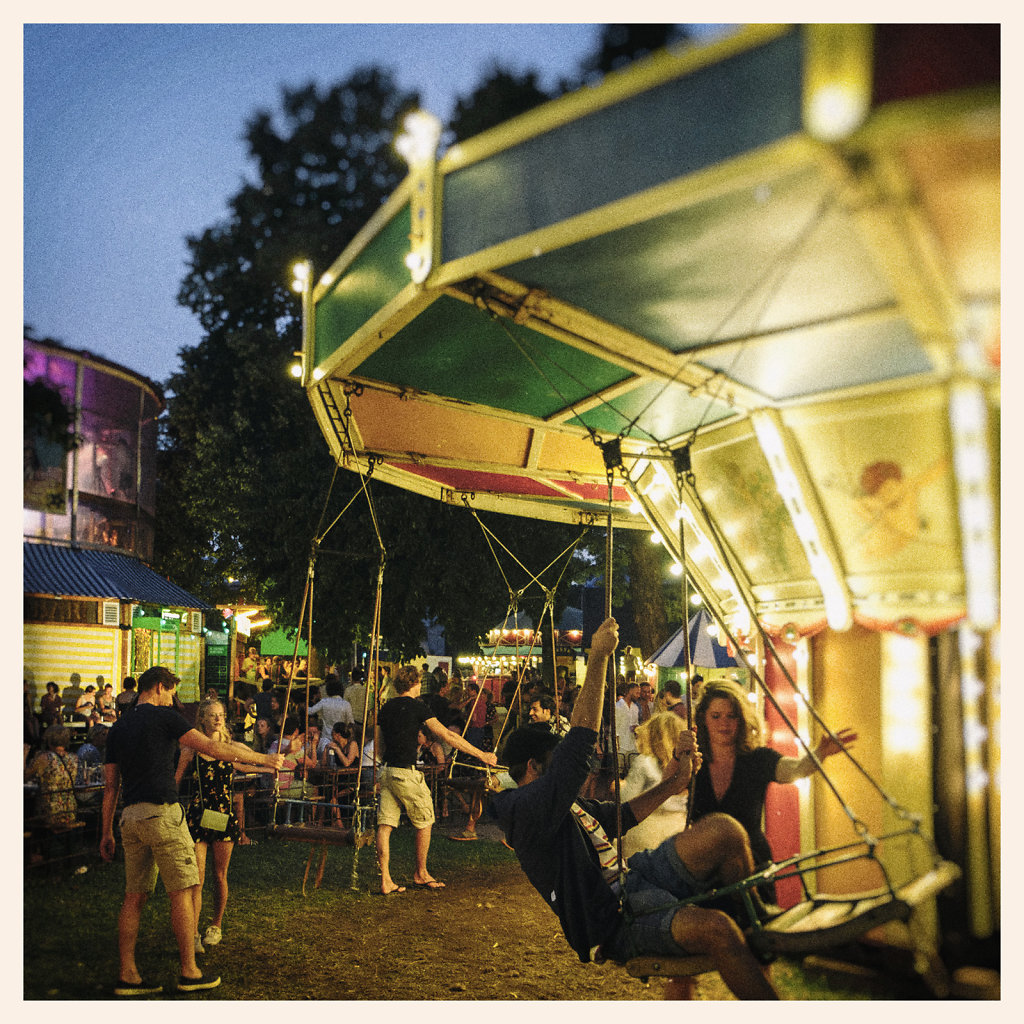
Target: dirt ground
{"type": "Point", "coordinates": [487, 935]}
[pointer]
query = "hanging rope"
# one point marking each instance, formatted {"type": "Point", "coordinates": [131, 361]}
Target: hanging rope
{"type": "Point", "coordinates": [780, 269]}
{"type": "Point", "coordinates": [306, 606]}
{"type": "Point", "coordinates": [612, 452]}
{"type": "Point", "coordinates": [681, 462]}
{"type": "Point", "coordinates": [515, 595]}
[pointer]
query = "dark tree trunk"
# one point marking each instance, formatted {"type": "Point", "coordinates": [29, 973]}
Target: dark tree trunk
{"type": "Point", "coordinates": [646, 585]}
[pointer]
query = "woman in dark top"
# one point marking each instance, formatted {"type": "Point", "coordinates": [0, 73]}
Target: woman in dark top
{"type": "Point", "coordinates": [736, 769]}
{"type": "Point", "coordinates": [51, 706]}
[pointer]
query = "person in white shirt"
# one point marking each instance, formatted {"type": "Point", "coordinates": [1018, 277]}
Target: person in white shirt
{"type": "Point", "coordinates": [333, 708]}
{"type": "Point", "coordinates": [355, 694]}
{"type": "Point", "coordinates": [627, 718]}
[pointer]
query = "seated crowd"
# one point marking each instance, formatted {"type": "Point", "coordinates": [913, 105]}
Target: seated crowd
{"type": "Point", "coordinates": [329, 754]}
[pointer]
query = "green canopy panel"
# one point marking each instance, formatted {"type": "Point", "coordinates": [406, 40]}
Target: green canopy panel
{"type": "Point", "coordinates": [780, 251]}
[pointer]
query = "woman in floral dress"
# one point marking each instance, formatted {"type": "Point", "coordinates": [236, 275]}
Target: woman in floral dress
{"type": "Point", "coordinates": [56, 771]}
{"type": "Point", "coordinates": [212, 789]}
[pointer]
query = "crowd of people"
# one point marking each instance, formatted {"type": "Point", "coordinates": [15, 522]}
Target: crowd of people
{"type": "Point", "coordinates": [309, 737]}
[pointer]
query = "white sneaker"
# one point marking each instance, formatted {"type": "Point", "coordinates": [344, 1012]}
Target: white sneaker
{"type": "Point", "coordinates": [212, 935]}
{"type": "Point", "coordinates": [199, 945]}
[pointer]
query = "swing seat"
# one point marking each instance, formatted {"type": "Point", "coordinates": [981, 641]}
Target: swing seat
{"type": "Point", "coordinates": [826, 921]}
{"type": "Point", "coordinates": [312, 834]}
{"type": "Point", "coordinates": [647, 967]}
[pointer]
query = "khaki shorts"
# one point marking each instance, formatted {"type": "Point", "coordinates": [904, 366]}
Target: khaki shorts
{"type": "Point", "coordinates": [404, 788]}
{"type": "Point", "coordinates": [156, 841]}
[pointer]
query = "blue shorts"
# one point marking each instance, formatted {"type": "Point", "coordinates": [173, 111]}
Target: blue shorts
{"type": "Point", "coordinates": [656, 880]}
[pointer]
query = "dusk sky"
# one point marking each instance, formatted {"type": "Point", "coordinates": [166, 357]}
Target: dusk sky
{"type": "Point", "coordinates": [132, 138]}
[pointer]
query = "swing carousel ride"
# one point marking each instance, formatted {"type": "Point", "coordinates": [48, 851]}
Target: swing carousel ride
{"type": "Point", "coordinates": [742, 296]}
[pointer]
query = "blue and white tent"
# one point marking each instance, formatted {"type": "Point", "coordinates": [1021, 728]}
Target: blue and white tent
{"type": "Point", "coordinates": [705, 651]}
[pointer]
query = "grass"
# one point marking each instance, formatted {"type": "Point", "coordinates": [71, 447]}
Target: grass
{"type": "Point", "coordinates": [284, 939]}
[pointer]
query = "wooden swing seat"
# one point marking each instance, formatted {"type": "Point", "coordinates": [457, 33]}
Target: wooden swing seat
{"type": "Point", "coordinates": [313, 834]}
{"type": "Point", "coordinates": [810, 926]}
{"type": "Point", "coordinates": [834, 920]}
{"type": "Point", "coordinates": [645, 967]}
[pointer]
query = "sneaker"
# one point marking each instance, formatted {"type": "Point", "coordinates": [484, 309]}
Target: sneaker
{"type": "Point", "coordinates": [212, 935]}
{"type": "Point", "coordinates": [199, 945]}
{"type": "Point", "coordinates": [204, 981]}
{"type": "Point", "coordinates": [136, 988]}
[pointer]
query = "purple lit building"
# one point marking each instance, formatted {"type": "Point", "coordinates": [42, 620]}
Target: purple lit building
{"type": "Point", "coordinates": [93, 606]}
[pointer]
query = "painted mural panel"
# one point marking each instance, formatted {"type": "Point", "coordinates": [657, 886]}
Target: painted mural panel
{"type": "Point", "coordinates": [884, 475]}
{"type": "Point", "coordinates": [736, 483]}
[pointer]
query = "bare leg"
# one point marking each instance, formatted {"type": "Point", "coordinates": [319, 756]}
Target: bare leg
{"type": "Point", "coordinates": [239, 802]}
{"type": "Point", "coordinates": [476, 810]}
{"type": "Point", "coordinates": [221, 860]}
{"type": "Point", "coordinates": [387, 885]}
{"type": "Point", "coordinates": [714, 934]}
{"type": "Point", "coordinates": [716, 847]}
{"type": "Point", "coordinates": [128, 933]}
{"type": "Point", "coordinates": [183, 923]}
{"type": "Point", "coordinates": [422, 876]}
{"type": "Point", "coordinates": [197, 890]}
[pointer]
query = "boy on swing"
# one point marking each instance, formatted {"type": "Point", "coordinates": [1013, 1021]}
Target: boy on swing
{"type": "Point", "coordinates": [562, 844]}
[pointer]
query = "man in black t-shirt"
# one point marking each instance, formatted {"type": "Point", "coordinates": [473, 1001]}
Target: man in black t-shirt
{"type": "Point", "coordinates": [141, 755]}
{"type": "Point", "coordinates": [402, 786]}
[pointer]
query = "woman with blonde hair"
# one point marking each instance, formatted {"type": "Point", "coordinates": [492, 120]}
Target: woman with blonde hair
{"type": "Point", "coordinates": [211, 814]}
{"type": "Point", "coordinates": [737, 768]}
{"type": "Point", "coordinates": [657, 741]}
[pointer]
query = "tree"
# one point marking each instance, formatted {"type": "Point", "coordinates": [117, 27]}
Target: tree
{"type": "Point", "coordinates": [245, 475]}
{"type": "Point", "coordinates": [620, 45]}
{"type": "Point", "coordinates": [500, 96]}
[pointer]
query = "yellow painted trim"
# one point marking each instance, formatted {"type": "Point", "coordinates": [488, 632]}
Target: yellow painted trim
{"type": "Point", "coordinates": [412, 300]}
{"type": "Point", "coordinates": [809, 499]}
{"type": "Point", "coordinates": [648, 73]}
{"type": "Point", "coordinates": [570, 325]}
{"type": "Point", "coordinates": [747, 171]}
{"type": "Point", "coordinates": [838, 67]}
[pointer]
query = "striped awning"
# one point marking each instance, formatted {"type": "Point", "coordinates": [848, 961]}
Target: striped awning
{"type": "Point", "coordinates": [55, 571]}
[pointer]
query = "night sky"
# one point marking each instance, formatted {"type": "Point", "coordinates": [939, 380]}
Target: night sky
{"type": "Point", "coordinates": [133, 141]}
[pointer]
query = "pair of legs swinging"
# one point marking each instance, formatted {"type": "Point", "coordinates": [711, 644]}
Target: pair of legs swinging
{"type": "Point", "coordinates": [716, 852]}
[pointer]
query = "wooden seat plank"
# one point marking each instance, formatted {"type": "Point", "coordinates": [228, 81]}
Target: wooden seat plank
{"type": "Point", "coordinates": [668, 966]}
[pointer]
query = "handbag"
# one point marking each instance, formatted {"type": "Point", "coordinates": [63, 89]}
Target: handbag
{"type": "Point", "coordinates": [216, 821]}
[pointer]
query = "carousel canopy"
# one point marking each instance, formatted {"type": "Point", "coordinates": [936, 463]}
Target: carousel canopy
{"type": "Point", "coordinates": [760, 280]}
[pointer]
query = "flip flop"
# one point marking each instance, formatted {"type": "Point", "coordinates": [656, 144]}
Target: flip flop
{"type": "Point", "coordinates": [391, 892]}
{"type": "Point", "coordinates": [432, 884]}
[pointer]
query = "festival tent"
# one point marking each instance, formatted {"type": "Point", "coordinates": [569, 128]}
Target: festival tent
{"type": "Point", "coordinates": [705, 650]}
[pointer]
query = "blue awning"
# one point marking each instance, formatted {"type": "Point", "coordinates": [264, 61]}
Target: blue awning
{"type": "Point", "coordinates": [53, 570]}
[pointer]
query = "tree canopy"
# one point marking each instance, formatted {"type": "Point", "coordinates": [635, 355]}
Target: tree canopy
{"type": "Point", "coordinates": [245, 476]}
{"type": "Point", "coordinates": [246, 480]}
